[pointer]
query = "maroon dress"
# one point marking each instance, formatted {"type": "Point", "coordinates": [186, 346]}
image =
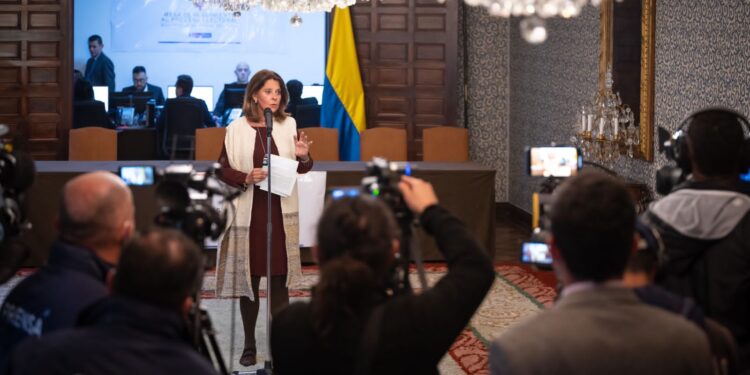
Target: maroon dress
{"type": "Point", "coordinates": [260, 210]}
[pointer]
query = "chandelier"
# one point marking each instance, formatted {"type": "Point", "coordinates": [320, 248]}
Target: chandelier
{"type": "Point", "coordinates": [533, 26]}
{"type": "Point", "coordinates": [296, 6]}
{"type": "Point", "coordinates": [606, 128]}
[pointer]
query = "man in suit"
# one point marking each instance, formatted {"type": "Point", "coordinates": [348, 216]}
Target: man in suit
{"type": "Point", "coordinates": [100, 70]}
{"type": "Point", "coordinates": [181, 116]}
{"type": "Point", "coordinates": [242, 72]}
{"type": "Point", "coordinates": [598, 326]}
{"type": "Point", "coordinates": [96, 219]}
{"type": "Point", "coordinates": [294, 87]}
{"type": "Point", "coordinates": [140, 84]}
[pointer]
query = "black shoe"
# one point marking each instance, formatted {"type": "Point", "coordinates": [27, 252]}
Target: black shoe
{"type": "Point", "coordinates": [248, 357]}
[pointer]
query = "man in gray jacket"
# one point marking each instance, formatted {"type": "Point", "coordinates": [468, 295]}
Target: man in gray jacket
{"type": "Point", "coordinates": [598, 326]}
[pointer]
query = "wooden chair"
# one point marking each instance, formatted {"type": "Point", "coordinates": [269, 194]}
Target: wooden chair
{"type": "Point", "coordinates": [208, 143]}
{"type": "Point", "coordinates": [388, 143]}
{"type": "Point", "coordinates": [325, 145]}
{"type": "Point", "coordinates": [445, 143]}
{"type": "Point", "coordinates": [92, 143]}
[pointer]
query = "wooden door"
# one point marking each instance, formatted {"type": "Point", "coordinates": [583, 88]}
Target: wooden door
{"type": "Point", "coordinates": [407, 52]}
{"type": "Point", "coordinates": [36, 69]}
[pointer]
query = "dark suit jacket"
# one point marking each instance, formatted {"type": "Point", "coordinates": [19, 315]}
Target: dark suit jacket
{"type": "Point", "coordinates": [156, 90]}
{"type": "Point", "coordinates": [101, 72]}
{"type": "Point", "coordinates": [604, 330]}
{"type": "Point", "coordinates": [90, 113]}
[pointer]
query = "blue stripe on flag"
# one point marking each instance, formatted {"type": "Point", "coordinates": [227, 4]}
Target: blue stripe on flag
{"type": "Point", "coordinates": [334, 115]}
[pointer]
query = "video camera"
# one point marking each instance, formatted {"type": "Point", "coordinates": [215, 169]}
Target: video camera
{"type": "Point", "coordinates": [17, 173]}
{"type": "Point", "coordinates": [381, 181]}
{"type": "Point", "coordinates": [184, 196]}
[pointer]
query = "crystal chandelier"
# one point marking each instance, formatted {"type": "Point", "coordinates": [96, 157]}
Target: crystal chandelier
{"type": "Point", "coordinates": [297, 6]}
{"type": "Point", "coordinates": [533, 26]}
{"type": "Point", "coordinates": [606, 128]}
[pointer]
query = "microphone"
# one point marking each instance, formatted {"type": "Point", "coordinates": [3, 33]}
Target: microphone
{"type": "Point", "coordinates": [268, 113]}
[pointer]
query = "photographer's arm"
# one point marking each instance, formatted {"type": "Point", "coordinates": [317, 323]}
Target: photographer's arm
{"type": "Point", "coordinates": [437, 316]}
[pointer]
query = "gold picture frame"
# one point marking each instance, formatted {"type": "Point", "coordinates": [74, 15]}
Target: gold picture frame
{"type": "Point", "coordinates": [646, 92]}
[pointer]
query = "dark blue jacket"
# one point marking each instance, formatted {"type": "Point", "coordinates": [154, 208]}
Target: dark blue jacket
{"type": "Point", "coordinates": [115, 336]}
{"type": "Point", "coordinates": [52, 298]}
{"type": "Point", "coordinates": [100, 71]}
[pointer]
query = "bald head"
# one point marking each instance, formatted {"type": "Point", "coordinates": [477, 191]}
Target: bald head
{"type": "Point", "coordinates": [242, 71]}
{"type": "Point", "coordinates": [96, 211]}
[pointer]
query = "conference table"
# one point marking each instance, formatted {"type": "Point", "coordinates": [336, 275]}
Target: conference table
{"type": "Point", "coordinates": [466, 189]}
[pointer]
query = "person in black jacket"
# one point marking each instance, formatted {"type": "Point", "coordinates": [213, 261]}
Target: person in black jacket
{"type": "Point", "coordinates": [100, 70]}
{"type": "Point", "coordinates": [353, 321]}
{"type": "Point", "coordinates": [140, 84]}
{"type": "Point", "coordinates": [86, 110]}
{"type": "Point", "coordinates": [705, 226]}
{"type": "Point", "coordinates": [141, 328]}
{"type": "Point", "coordinates": [96, 218]}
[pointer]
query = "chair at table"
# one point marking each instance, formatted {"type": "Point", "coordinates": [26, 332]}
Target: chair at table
{"type": "Point", "coordinates": [308, 115]}
{"type": "Point", "coordinates": [445, 143]}
{"type": "Point", "coordinates": [208, 143]}
{"type": "Point", "coordinates": [182, 117]}
{"type": "Point", "coordinates": [388, 143]}
{"type": "Point", "coordinates": [325, 146]}
{"type": "Point", "coordinates": [92, 143]}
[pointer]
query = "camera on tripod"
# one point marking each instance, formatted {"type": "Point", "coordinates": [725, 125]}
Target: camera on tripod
{"type": "Point", "coordinates": [555, 163]}
{"type": "Point", "coordinates": [185, 198]}
{"type": "Point", "coordinates": [381, 181]}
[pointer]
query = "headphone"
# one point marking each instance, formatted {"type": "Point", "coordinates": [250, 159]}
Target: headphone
{"type": "Point", "coordinates": [676, 149]}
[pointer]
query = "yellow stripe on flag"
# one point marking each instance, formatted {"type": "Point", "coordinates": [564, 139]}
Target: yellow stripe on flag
{"type": "Point", "coordinates": [342, 68]}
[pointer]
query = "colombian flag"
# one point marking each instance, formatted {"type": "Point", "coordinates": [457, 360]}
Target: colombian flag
{"type": "Point", "coordinates": [343, 97]}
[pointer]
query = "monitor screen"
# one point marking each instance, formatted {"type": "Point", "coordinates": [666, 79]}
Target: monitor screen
{"type": "Point", "coordinates": [101, 93]}
{"type": "Point", "coordinates": [315, 91]}
{"type": "Point", "coordinates": [201, 92]}
{"type": "Point", "coordinates": [135, 100]}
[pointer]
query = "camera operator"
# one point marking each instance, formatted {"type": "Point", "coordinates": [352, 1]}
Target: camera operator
{"type": "Point", "coordinates": [598, 326]}
{"type": "Point", "coordinates": [353, 324]}
{"type": "Point", "coordinates": [95, 220]}
{"type": "Point", "coordinates": [704, 224]}
{"type": "Point", "coordinates": [141, 328]}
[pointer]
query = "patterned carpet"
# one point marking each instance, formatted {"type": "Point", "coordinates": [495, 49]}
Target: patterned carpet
{"type": "Point", "coordinates": [518, 292]}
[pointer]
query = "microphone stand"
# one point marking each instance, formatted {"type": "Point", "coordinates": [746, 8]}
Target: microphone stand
{"type": "Point", "coordinates": [268, 114]}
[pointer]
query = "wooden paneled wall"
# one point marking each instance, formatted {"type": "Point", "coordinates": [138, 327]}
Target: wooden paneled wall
{"type": "Point", "coordinates": [36, 69]}
{"type": "Point", "coordinates": [407, 52]}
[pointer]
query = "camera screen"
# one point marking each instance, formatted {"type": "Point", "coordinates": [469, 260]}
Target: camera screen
{"type": "Point", "coordinates": [137, 175]}
{"type": "Point", "coordinates": [554, 161]}
{"type": "Point", "coordinates": [536, 253]}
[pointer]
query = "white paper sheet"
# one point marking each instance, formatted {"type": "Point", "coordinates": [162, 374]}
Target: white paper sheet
{"type": "Point", "coordinates": [311, 189]}
{"type": "Point", "coordinates": [283, 176]}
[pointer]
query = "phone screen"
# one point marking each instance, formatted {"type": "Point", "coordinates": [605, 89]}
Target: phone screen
{"type": "Point", "coordinates": [554, 161]}
{"type": "Point", "coordinates": [536, 253]}
{"type": "Point", "coordinates": [137, 175]}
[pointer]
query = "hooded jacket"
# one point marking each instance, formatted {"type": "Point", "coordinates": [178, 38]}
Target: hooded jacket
{"type": "Point", "coordinates": [705, 227]}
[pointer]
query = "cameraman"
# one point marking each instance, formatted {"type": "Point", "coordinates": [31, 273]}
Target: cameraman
{"type": "Point", "coordinates": [353, 323]}
{"type": "Point", "coordinates": [705, 226]}
{"type": "Point", "coordinates": [95, 220]}
{"type": "Point", "coordinates": [140, 328]}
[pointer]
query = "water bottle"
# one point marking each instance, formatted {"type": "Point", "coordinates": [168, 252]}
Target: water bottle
{"type": "Point", "coordinates": [151, 113]}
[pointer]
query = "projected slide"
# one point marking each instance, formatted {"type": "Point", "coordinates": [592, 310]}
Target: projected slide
{"type": "Point", "coordinates": [167, 26]}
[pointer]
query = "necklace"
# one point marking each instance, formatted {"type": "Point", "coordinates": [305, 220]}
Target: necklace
{"type": "Point", "coordinates": [265, 154]}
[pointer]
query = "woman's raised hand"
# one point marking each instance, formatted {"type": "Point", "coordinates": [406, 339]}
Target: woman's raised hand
{"type": "Point", "coordinates": [302, 145]}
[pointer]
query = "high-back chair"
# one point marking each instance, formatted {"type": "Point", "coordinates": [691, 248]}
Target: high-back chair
{"type": "Point", "coordinates": [208, 143]}
{"type": "Point", "coordinates": [445, 143]}
{"type": "Point", "coordinates": [183, 117]}
{"type": "Point", "coordinates": [325, 146]}
{"type": "Point", "coordinates": [384, 142]}
{"type": "Point", "coordinates": [92, 143]}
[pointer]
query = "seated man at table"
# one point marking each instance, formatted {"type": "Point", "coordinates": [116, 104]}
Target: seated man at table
{"type": "Point", "coordinates": [87, 111]}
{"type": "Point", "coordinates": [181, 116]}
{"type": "Point", "coordinates": [140, 84]}
{"type": "Point", "coordinates": [242, 72]}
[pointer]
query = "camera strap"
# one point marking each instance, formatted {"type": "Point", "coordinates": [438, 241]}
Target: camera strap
{"type": "Point", "coordinates": [369, 343]}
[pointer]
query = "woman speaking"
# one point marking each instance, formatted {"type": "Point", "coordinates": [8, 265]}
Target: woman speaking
{"type": "Point", "coordinates": [242, 249]}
